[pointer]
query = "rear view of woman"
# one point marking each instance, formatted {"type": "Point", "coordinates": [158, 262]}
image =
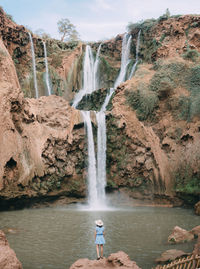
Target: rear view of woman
{"type": "Point", "coordinates": [99, 237]}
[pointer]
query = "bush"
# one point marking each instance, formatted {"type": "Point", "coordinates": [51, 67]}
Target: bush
{"type": "Point", "coordinates": [186, 181]}
{"type": "Point", "coordinates": [142, 25]}
{"type": "Point", "coordinates": [184, 107]}
{"type": "Point", "coordinates": [168, 77]}
{"type": "Point", "coordinates": [10, 17]}
{"type": "Point", "coordinates": [143, 101]}
{"type": "Point", "coordinates": [193, 80]}
{"type": "Point", "coordinates": [192, 55]}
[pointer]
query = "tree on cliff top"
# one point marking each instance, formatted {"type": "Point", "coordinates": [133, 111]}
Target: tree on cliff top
{"type": "Point", "coordinates": [67, 30]}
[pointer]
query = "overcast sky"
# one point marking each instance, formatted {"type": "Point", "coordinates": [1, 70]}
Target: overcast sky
{"type": "Point", "coordinates": [94, 19]}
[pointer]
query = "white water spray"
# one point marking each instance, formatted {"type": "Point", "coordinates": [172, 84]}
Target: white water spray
{"type": "Point", "coordinates": [47, 69]}
{"type": "Point", "coordinates": [97, 173]}
{"type": "Point", "coordinates": [136, 57]}
{"type": "Point", "coordinates": [34, 66]}
{"type": "Point", "coordinates": [101, 150]}
{"type": "Point", "coordinates": [125, 60]}
{"type": "Point", "coordinates": [90, 75]}
{"type": "Point", "coordinates": [96, 66]}
{"type": "Point", "coordinates": [93, 187]}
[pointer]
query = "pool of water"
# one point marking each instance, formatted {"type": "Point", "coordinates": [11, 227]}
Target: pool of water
{"type": "Point", "coordinates": [54, 238]}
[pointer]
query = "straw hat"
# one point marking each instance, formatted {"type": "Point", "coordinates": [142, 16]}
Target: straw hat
{"type": "Point", "coordinates": [99, 222]}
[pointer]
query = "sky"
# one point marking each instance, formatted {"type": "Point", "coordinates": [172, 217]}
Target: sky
{"type": "Point", "coordinates": [94, 19]}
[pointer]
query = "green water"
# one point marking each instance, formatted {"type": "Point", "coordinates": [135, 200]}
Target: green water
{"type": "Point", "coordinates": [56, 237]}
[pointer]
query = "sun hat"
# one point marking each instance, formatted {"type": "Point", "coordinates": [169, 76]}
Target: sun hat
{"type": "Point", "coordinates": [99, 222]}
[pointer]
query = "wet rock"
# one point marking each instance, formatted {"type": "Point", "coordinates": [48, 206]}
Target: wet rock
{"type": "Point", "coordinates": [116, 260]}
{"type": "Point", "coordinates": [180, 235]}
{"type": "Point", "coordinates": [196, 250]}
{"type": "Point", "coordinates": [8, 259]}
{"type": "Point", "coordinates": [170, 255]}
{"type": "Point", "coordinates": [197, 208]}
{"type": "Point", "coordinates": [195, 231]}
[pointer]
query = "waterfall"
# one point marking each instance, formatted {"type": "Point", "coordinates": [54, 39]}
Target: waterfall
{"type": "Point", "coordinates": [97, 172]}
{"type": "Point", "coordinates": [125, 60]}
{"type": "Point", "coordinates": [101, 155]}
{"type": "Point", "coordinates": [136, 57]}
{"type": "Point", "coordinates": [90, 71]}
{"type": "Point", "coordinates": [34, 66]}
{"type": "Point", "coordinates": [91, 177]}
{"type": "Point", "coordinates": [101, 150]}
{"type": "Point", "coordinates": [47, 69]}
{"type": "Point", "coordinates": [96, 66]}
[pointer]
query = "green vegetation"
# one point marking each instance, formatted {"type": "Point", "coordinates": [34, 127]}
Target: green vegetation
{"type": "Point", "coordinates": [143, 100]}
{"type": "Point", "coordinates": [186, 180]}
{"type": "Point", "coordinates": [192, 55]}
{"type": "Point", "coordinates": [142, 25]}
{"type": "Point", "coordinates": [148, 24]}
{"type": "Point", "coordinates": [167, 78]}
{"type": "Point", "coordinates": [10, 17]}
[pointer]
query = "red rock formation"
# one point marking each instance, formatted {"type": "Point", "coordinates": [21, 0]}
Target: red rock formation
{"type": "Point", "coordinates": [8, 259]}
{"type": "Point", "coordinates": [115, 260]}
{"type": "Point", "coordinates": [197, 208]}
{"type": "Point", "coordinates": [34, 135]}
{"type": "Point", "coordinates": [180, 235]}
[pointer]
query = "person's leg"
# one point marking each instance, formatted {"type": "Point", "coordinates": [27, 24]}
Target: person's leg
{"type": "Point", "coordinates": [102, 251]}
{"type": "Point", "coordinates": [97, 248]}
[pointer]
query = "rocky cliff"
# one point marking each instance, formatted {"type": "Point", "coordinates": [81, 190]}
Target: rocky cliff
{"type": "Point", "coordinates": [152, 124]}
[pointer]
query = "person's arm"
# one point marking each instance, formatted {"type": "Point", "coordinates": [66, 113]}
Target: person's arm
{"type": "Point", "coordinates": [95, 234]}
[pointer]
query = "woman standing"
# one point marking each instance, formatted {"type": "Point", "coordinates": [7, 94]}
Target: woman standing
{"type": "Point", "coordinates": [99, 237]}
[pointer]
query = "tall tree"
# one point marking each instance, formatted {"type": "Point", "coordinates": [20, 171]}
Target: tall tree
{"type": "Point", "coordinates": [67, 30]}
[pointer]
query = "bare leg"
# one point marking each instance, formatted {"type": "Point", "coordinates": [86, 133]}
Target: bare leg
{"type": "Point", "coordinates": [102, 251]}
{"type": "Point", "coordinates": [97, 248]}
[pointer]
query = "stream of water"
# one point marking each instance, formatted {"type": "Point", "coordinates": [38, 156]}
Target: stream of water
{"type": "Point", "coordinates": [47, 69]}
{"type": "Point", "coordinates": [54, 238]}
{"type": "Point", "coordinates": [34, 67]}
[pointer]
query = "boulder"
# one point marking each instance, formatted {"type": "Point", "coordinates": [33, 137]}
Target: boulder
{"type": "Point", "coordinates": [115, 260]}
{"type": "Point", "coordinates": [170, 255]}
{"type": "Point", "coordinates": [8, 259]}
{"type": "Point", "coordinates": [180, 235]}
{"type": "Point", "coordinates": [195, 231]}
{"type": "Point", "coordinates": [196, 250]}
{"type": "Point", "coordinates": [197, 208]}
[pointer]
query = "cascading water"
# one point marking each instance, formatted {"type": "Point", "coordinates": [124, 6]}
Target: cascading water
{"type": "Point", "coordinates": [92, 178]}
{"type": "Point", "coordinates": [96, 66]}
{"type": "Point", "coordinates": [101, 150]}
{"type": "Point", "coordinates": [90, 71]}
{"type": "Point", "coordinates": [136, 58]}
{"type": "Point", "coordinates": [125, 59]}
{"type": "Point", "coordinates": [97, 175]}
{"type": "Point", "coordinates": [34, 66]}
{"type": "Point", "coordinates": [47, 69]}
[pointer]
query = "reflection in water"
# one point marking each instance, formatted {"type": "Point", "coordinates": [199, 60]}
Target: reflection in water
{"type": "Point", "coordinates": [56, 237]}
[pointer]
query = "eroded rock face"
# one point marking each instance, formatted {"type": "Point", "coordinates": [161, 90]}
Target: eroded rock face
{"type": "Point", "coordinates": [8, 259]}
{"type": "Point", "coordinates": [42, 141]}
{"type": "Point", "coordinates": [115, 260]}
{"type": "Point", "coordinates": [64, 60]}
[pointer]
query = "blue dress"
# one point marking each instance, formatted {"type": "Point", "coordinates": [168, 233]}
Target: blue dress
{"type": "Point", "coordinates": [99, 236]}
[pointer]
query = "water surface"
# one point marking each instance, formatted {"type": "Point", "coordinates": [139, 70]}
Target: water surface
{"type": "Point", "coordinates": [54, 238]}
